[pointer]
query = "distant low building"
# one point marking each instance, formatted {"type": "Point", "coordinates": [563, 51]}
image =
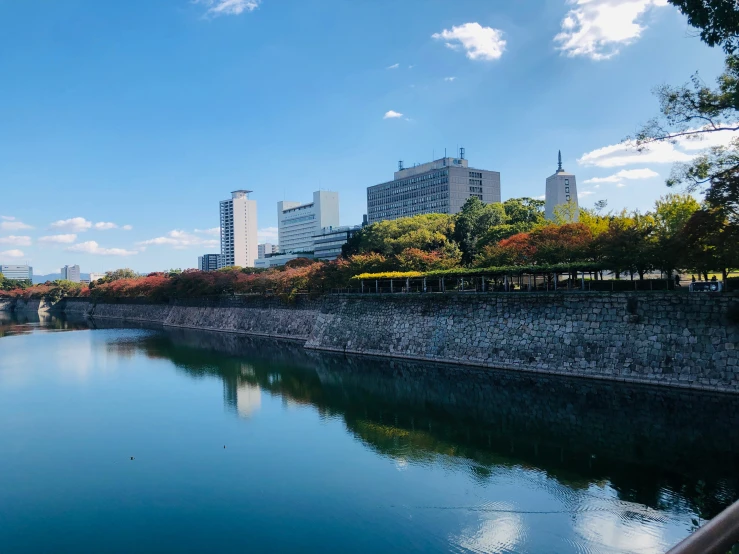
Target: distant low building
{"type": "Point", "coordinates": [17, 272]}
{"type": "Point", "coordinates": [266, 248]}
{"type": "Point", "coordinates": [561, 190]}
{"type": "Point", "coordinates": [297, 223]}
{"type": "Point", "coordinates": [327, 244]}
{"type": "Point", "coordinates": [276, 260]}
{"type": "Point", "coordinates": [96, 276]}
{"type": "Point", "coordinates": [210, 262]}
{"type": "Point", "coordinates": [71, 273]}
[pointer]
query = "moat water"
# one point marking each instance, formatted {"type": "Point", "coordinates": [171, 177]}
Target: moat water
{"type": "Point", "coordinates": [159, 440]}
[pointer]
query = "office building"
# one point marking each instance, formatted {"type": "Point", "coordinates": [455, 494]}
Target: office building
{"type": "Point", "coordinates": [71, 273]}
{"type": "Point", "coordinates": [441, 186]}
{"type": "Point", "coordinates": [561, 190]}
{"type": "Point", "coordinates": [297, 223]}
{"type": "Point", "coordinates": [266, 249]}
{"type": "Point", "coordinates": [278, 259]}
{"type": "Point", "coordinates": [96, 276]}
{"type": "Point", "coordinates": [19, 272]}
{"type": "Point", "coordinates": [327, 244]}
{"type": "Point", "coordinates": [209, 262]}
{"type": "Point", "coordinates": [238, 230]}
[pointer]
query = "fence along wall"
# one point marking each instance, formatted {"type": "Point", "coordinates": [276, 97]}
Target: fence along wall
{"type": "Point", "coordinates": [665, 338]}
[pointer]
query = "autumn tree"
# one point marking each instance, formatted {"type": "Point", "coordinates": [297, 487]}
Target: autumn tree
{"type": "Point", "coordinates": [471, 224]}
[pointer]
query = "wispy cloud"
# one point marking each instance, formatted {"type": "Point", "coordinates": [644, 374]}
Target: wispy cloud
{"type": "Point", "coordinates": [11, 225]}
{"type": "Point", "coordinates": [394, 66]}
{"type": "Point", "coordinates": [16, 240]}
{"type": "Point", "coordinates": [7, 217]}
{"type": "Point", "coordinates": [268, 234]}
{"type": "Point", "coordinates": [619, 155]}
{"type": "Point", "coordinates": [180, 240]}
{"type": "Point", "coordinates": [229, 7]}
{"type": "Point", "coordinates": [105, 225]}
{"type": "Point", "coordinates": [597, 29]}
{"type": "Point", "coordinates": [625, 174]}
{"type": "Point", "coordinates": [450, 79]}
{"type": "Point", "coordinates": [479, 43]}
{"type": "Point", "coordinates": [59, 239]}
{"type": "Point", "coordinates": [214, 231]}
{"type": "Point", "coordinates": [392, 114]}
{"type": "Point", "coordinates": [585, 193]}
{"type": "Point", "coordinates": [75, 224]}
{"type": "Point", "coordinates": [12, 254]}
{"type": "Point", "coordinates": [92, 247]}
{"type": "Point", "coordinates": [127, 227]}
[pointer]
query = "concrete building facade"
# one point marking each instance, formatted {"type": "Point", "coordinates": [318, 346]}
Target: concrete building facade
{"type": "Point", "coordinates": [327, 244]}
{"type": "Point", "coordinates": [96, 276]}
{"type": "Point", "coordinates": [71, 273]}
{"type": "Point", "coordinates": [441, 186]}
{"type": "Point", "coordinates": [561, 190]}
{"type": "Point", "coordinates": [209, 262]}
{"type": "Point", "coordinates": [19, 272]}
{"type": "Point", "coordinates": [279, 259]}
{"type": "Point", "coordinates": [297, 223]}
{"type": "Point", "coordinates": [238, 230]}
{"type": "Point", "coordinates": [266, 249]}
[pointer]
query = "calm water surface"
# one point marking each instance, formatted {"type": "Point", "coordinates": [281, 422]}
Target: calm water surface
{"type": "Point", "coordinates": [331, 454]}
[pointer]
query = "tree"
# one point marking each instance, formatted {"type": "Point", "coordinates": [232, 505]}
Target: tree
{"type": "Point", "coordinates": [521, 216]}
{"type": "Point", "coordinates": [414, 259]}
{"type": "Point", "coordinates": [711, 243]}
{"type": "Point", "coordinates": [427, 232]}
{"type": "Point", "coordinates": [471, 223]}
{"type": "Point", "coordinates": [718, 21]}
{"type": "Point", "coordinates": [671, 214]}
{"type": "Point", "coordinates": [125, 273]}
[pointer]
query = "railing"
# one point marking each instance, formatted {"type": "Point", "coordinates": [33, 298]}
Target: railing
{"type": "Point", "coordinates": [718, 536]}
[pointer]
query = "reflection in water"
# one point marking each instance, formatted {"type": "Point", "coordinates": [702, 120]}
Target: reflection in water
{"type": "Point", "coordinates": [23, 323]}
{"type": "Point", "coordinates": [666, 449]}
{"type": "Point", "coordinates": [490, 461]}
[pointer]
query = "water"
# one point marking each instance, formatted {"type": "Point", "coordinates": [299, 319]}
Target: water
{"type": "Point", "coordinates": [328, 454]}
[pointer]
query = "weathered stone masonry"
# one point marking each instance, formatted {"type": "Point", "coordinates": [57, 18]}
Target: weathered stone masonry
{"type": "Point", "coordinates": [675, 339]}
{"type": "Point", "coordinates": [662, 338]}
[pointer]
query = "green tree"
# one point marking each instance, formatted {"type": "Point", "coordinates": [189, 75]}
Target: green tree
{"type": "Point", "coordinates": [522, 215]}
{"type": "Point", "coordinates": [671, 213]}
{"type": "Point", "coordinates": [427, 232]}
{"type": "Point", "coordinates": [125, 273]}
{"type": "Point", "coordinates": [718, 21]}
{"type": "Point", "coordinates": [471, 224]}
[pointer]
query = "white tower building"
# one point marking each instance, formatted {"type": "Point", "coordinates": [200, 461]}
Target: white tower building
{"type": "Point", "coordinates": [562, 191]}
{"type": "Point", "coordinates": [298, 223]}
{"type": "Point", "coordinates": [71, 273]}
{"type": "Point", "coordinates": [239, 230]}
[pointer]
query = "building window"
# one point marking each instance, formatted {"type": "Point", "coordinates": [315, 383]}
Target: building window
{"type": "Point", "coordinates": [567, 190]}
{"type": "Point", "coordinates": [567, 181]}
{"type": "Point", "coordinates": [568, 197]}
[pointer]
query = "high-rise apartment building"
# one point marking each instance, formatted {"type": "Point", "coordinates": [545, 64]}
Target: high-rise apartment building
{"type": "Point", "coordinates": [441, 186]}
{"type": "Point", "coordinates": [71, 273]}
{"type": "Point", "coordinates": [267, 248]}
{"type": "Point", "coordinates": [209, 262]}
{"type": "Point", "coordinates": [562, 191]}
{"type": "Point", "coordinates": [239, 230]}
{"type": "Point", "coordinates": [297, 223]}
{"type": "Point", "coordinates": [19, 272]}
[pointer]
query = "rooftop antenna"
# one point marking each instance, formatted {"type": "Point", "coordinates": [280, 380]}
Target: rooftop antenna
{"type": "Point", "coordinates": [461, 153]}
{"type": "Point", "coordinates": [559, 160]}
{"type": "Point", "coordinates": [400, 165]}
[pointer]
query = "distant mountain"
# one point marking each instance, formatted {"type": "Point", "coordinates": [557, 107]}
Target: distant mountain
{"type": "Point", "coordinates": [54, 277]}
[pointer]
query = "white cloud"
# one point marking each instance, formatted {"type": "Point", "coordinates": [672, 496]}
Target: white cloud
{"type": "Point", "coordinates": [585, 193]}
{"type": "Point", "coordinates": [620, 185]}
{"type": "Point", "coordinates": [127, 227]}
{"type": "Point", "coordinates": [542, 197]}
{"type": "Point", "coordinates": [267, 234]}
{"type": "Point", "coordinates": [7, 217]}
{"type": "Point", "coordinates": [12, 254]}
{"type": "Point", "coordinates": [181, 240]}
{"type": "Point", "coordinates": [16, 240]}
{"type": "Point", "coordinates": [394, 66]}
{"type": "Point", "coordinates": [480, 43]}
{"type": "Point", "coordinates": [74, 224]}
{"type": "Point", "coordinates": [214, 231]}
{"type": "Point", "coordinates": [11, 225]}
{"type": "Point", "coordinates": [105, 225]}
{"type": "Point", "coordinates": [450, 79]}
{"type": "Point", "coordinates": [392, 114]}
{"type": "Point", "coordinates": [92, 247]}
{"type": "Point", "coordinates": [625, 174]}
{"type": "Point", "coordinates": [598, 28]}
{"type": "Point", "coordinates": [229, 7]}
{"type": "Point", "coordinates": [59, 239]}
{"type": "Point", "coordinates": [619, 155]}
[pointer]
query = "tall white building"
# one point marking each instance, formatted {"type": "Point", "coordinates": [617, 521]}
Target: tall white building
{"type": "Point", "coordinates": [20, 272]}
{"type": "Point", "coordinates": [239, 230]}
{"type": "Point", "coordinates": [441, 186]}
{"type": "Point", "coordinates": [71, 273]}
{"type": "Point", "coordinates": [297, 223]}
{"type": "Point", "coordinates": [561, 190]}
{"type": "Point", "coordinates": [267, 248]}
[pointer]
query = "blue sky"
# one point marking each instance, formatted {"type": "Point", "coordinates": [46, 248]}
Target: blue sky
{"type": "Point", "coordinates": [124, 123]}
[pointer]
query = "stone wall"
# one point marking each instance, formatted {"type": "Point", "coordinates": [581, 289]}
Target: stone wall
{"type": "Point", "coordinates": [6, 304]}
{"type": "Point", "coordinates": [665, 338]}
